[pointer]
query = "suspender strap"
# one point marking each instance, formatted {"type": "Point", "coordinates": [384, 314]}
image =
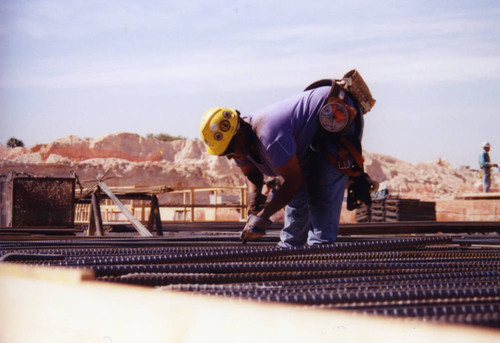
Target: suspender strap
{"type": "Point", "coordinates": [346, 148]}
{"type": "Point", "coordinates": [355, 153]}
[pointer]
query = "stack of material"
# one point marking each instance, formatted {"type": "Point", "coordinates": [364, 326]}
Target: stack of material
{"type": "Point", "coordinates": [396, 210]}
{"type": "Point", "coordinates": [374, 212]}
{"type": "Point", "coordinates": [363, 214]}
{"type": "Point", "coordinates": [378, 210]}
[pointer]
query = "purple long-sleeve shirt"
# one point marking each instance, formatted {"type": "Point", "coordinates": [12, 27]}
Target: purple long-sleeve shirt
{"type": "Point", "coordinates": [284, 129]}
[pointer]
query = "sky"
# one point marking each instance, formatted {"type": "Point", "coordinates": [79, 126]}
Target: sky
{"type": "Point", "coordinates": [91, 68]}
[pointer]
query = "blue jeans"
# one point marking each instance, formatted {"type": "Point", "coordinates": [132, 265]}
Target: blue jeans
{"type": "Point", "coordinates": [313, 215]}
{"type": "Point", "coordinates": [486, 181]}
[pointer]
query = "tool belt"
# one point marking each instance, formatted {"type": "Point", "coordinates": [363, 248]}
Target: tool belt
{"type": "Point", "coordinates": [349, 158]}
{"type": "Point", "coordinates": [350, 162]}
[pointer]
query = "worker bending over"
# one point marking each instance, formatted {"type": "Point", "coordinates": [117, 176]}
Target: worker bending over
{"type": "Point", "coordinates": [312, 143]}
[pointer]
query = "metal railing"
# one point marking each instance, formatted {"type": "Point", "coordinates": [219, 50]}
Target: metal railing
{"type": "Point", "coordinates": [181, 204]}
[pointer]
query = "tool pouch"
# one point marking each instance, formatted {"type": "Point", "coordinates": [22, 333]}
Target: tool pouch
{"type": "Point", "coordinates": [359, 191]}
{"type": "Point", "coordinates": [355, 84]}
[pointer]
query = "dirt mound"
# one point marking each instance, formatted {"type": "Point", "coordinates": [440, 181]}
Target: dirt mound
{"type": "Point", "coordinates": [426, 181]}
{"type": "Point", "coordinates": [135, 160]}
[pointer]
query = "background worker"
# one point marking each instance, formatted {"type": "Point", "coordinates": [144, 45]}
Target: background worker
{"type": "Point", "coordinates": [276, 141]}
{"type": "Point", "coordinates": [486, 165]}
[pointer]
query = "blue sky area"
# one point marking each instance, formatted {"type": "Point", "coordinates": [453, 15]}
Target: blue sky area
{"type": "Point", "coordinates": [90, 68]}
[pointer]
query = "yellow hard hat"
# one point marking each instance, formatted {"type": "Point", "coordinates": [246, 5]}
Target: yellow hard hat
{"type": "Point", "coordinates": [218, 126]}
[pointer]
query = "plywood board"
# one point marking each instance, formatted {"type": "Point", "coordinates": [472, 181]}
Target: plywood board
{"type": "Point", "coordinates": [36, 309]}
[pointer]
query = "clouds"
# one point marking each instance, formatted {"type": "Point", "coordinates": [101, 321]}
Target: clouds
{"type": "Point", "coordinates": [76, 19]}
{"type": "Point", "coordinates": [416, 55]}
{"type": "Point", "coordinates": [96, 44]}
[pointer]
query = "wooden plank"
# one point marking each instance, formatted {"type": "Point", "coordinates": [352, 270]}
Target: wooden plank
{"type": "Point", "coordinates": [235, 206]}
{"type": "Point", "coordinates": [40, 229]}
{"type": "Point", "coordinates": [479, 196]}
{"type": "Point", "coordinates": [91, 230]}
{"type": "Point", "coordinates": [135, 222]}
{"type": "Point", "coordinates": [154, 216]}
{"type": "Point", "coordinates": [409, 227]}
{"type": "Point", "coordinates": [129, 190]}
{"type": "Point", "coordinates": [53, 274]}
{"type": "Point", "coordinates": [34, 310]}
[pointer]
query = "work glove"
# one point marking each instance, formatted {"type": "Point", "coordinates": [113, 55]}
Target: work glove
{"type": "Point", "coordinates": [255, 228]}
{"type": "Point", "coordinates": [256, 202]}
{"type": "Point", "coordinates": [359, 191]}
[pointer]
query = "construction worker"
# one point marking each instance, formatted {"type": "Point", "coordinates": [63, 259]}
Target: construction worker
{"type": "Point", "coordinates": [486, 165]}
{"type": "Point", "coordinates": [277, 141]}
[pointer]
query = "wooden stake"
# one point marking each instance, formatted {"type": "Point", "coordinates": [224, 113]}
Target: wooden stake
{"type": "Point", "coordinates": [154, 216]}
{"type": "Point", "coordinates": [96, 209]}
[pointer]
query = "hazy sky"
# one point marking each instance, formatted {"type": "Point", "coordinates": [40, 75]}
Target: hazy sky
{"type": "Point", "coordinates": [90, 68]}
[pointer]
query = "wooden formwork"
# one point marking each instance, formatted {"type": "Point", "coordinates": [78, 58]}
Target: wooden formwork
{"type": "Point", "coordinates": [41, 304]}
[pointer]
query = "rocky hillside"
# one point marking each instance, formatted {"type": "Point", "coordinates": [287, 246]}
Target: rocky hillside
{"type": "Point", "coordinates": [135, 160]}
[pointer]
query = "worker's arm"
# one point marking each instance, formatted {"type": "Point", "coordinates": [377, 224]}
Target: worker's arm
{"type": "Point", "coordinates": [255, 182]}
{"type": "Point", "coordinates": [254, 178]}
{"type": "Point", "coordinates": [292, 176]}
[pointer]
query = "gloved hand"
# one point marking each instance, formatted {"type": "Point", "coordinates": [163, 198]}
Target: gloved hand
{"type": "Point", "coordinates": [255, 202]}
{"type": "Point", "coordinates": [255, 228]}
